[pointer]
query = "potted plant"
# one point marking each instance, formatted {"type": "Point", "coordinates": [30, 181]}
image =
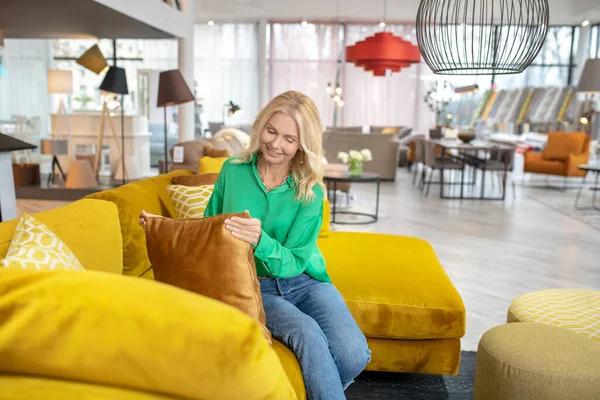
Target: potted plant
{"type": "Point", "coordinates": [355, 159]}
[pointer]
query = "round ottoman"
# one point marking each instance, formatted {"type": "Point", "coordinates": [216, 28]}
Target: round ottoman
{"type": "Point", "coordinates": [532, 361]}
{"type": "Point", "coordinates": [575, 309]}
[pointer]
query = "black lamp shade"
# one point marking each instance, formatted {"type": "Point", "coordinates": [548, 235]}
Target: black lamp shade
{"type": "Point", "coordinates": [233, 108]}
{"type": "Point", "coordinates": [93, 59]}
{"type": "Point", "coordinates": [172, 89]}
{"type": "Point", "coordinates": [115, 81]}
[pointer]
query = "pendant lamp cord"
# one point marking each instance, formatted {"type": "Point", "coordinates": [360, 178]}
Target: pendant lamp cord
{"type": "Point", "coordinates": [384, 12]}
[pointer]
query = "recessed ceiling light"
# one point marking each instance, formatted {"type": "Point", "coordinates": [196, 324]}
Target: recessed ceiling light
{"type": "Point", "coordinates": [382, 24]}
{"type": "Point", "coordinates": [211, 23]}
{"type": "Point", "coordinates": [585, 23]}
{"type": "Point", "coordinates": [304, 23]}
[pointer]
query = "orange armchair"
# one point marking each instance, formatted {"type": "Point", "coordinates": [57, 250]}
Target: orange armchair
{"type": "Point", "coordinates": [563, 153]}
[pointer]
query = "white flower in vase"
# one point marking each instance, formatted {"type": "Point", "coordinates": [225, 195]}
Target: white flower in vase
{"type": "Point", "coordinates": [367, 156]}
{"type": "Point", "coordinates": [343, 157]}
{"type": "Point", "coordinates": [356, 156]}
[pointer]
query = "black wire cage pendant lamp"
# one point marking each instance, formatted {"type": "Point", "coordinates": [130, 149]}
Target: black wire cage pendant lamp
{"type": "Point", "coordinates": [481, 37]}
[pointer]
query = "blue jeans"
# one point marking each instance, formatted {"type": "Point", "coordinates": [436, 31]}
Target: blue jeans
{"type": "Point", "coordinates": [311, 318]}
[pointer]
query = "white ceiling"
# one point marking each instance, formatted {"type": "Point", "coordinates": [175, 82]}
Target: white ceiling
{"type": "Point", "coordinates": [567, 12]}
{"type": "Point", "coordinates": [87, 19]}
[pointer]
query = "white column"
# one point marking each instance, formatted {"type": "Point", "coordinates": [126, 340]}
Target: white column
{"type": "Point", "coordinates": [582, 54]}
{"type": "Point", "coordinates": [8, 201]}
{"type": "Point", "coordinates": [186, 66]}
{"type": "Point", "coordinates": [263, 87]}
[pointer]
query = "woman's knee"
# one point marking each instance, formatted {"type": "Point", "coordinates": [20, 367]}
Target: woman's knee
{"type": "Point", "coordinates": [352, 358]}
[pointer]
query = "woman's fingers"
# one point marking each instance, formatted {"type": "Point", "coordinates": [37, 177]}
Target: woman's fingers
{"type": "Point", "coordinates": [245, 221]}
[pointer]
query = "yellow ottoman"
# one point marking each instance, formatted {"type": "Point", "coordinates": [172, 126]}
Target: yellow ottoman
{"type": "Point", "coordinates": [532, 361]}
{"type": "Point", "coordinates": [575, 309]}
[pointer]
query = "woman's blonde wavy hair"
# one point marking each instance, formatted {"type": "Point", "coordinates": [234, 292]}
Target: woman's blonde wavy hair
{"type": "Point", "coordinates": [307, 164]}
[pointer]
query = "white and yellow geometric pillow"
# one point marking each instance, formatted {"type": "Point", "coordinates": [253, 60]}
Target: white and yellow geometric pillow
{"type": "Point", "coordinates": [574, 309]}
{"type": "Point", "coordinates": [189, 201]}
{"type": "Point", "coordinates": [35, 246]}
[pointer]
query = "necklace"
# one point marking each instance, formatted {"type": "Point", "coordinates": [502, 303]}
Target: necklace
{"type": "Point", "coordinates": [267, 187]}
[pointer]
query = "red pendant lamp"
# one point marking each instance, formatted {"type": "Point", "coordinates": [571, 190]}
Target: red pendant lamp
{"type": "Point", "coordinates": [383, 53]}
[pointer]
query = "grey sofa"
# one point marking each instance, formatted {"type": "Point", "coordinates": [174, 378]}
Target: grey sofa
{"type": "Point", "coordinates": [384, 148]}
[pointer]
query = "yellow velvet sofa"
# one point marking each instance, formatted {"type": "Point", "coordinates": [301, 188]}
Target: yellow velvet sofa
{"type": "Point", "coordinates": [98, 334]}
{"type": "Point", "coordinates": [395, 286]}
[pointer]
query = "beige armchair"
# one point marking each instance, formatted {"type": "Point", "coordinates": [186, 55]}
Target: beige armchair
{"type": "Point", "coordinates": [193, 150]}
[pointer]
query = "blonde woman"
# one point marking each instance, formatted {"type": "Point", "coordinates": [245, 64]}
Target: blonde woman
{"type": "Point", "coordinates": [278, 179]}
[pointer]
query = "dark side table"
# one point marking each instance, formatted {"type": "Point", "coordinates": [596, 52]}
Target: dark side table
{"type": "Point", "coordinates": [594, 169]}
{"type": "Point", "coordinates": [332, 178]}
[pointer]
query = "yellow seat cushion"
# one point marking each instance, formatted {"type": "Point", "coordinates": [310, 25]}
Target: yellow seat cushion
{"type": "Point", "coordinates": [34, 246]}
{"type": "Point", "coordinates": [434, 356]}
{"type": "Point", "coordinates": [291, 367]}
{"type": "Point", "coordinates": [574, 309]}
{"type": "Point", "coordinates": [211, 165]}
{"type": "Point", "coordinates": [190, 201]}
{"type": "Point", "coordinates": [89, 228]}
{"type": "Point", "coordinates": [14, 387]}
{"type": "Point", "coordinates": [394, 286]}
{"type": "Point", "coordinates": [135, 334]}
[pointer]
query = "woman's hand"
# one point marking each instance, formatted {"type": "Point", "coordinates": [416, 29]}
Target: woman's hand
{"type": "Point", "coordinates": [144, 218]}
{"type": "Point", "coordinates": [248, 230]}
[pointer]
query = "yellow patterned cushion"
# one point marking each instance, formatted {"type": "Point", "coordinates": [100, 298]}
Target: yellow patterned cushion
{"type": "Point", "coordinates": [35, 246]}
{"type": "Point", "coordinates": [575, 309]}
{"type": "Point", "coordinates": [190, 201]}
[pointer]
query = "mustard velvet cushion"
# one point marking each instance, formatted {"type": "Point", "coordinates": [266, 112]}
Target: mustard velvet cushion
{"type": "Point", "coordinates": [89, 228]}
{"type": "Point", "coordinates": [210, 165]}
{"type": "Point", "coordinates": [146, 194]}
{"type": "Point", "coordinates": [136, 334]}
{"type": "Point", "coordinates": [574, 309]}
{"type": "Point", "coordinates": [394, 286]}
{"type": "Point", "coordinates": [34, 246]}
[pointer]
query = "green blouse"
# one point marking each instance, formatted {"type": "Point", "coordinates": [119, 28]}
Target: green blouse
{"type": "Point", "coordinates": [290, 228]}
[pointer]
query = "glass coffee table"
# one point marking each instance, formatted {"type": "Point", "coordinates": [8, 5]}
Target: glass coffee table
{"type": "Point", "coordinates": [332, 178]}
{"type": "Point", "coordinates": [594, 169]}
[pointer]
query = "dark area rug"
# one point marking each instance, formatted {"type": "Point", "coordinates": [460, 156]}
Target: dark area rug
{"type": "Point", "coordinates": [384, 385]}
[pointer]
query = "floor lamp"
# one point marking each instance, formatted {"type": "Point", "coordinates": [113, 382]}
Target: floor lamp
{"type": "Point", "coordinates": [61, 82]}
{"type": "Point", "coordinates": [172, 90]}
{"type": "Point", "coordinates": [115, 82]}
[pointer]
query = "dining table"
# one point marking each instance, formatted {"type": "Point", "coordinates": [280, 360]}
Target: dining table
{"type": "Point", "coordinates": [480, 155]}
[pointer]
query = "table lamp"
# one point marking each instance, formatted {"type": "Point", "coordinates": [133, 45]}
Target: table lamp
{"type": "Point", "coordinates": [61, 82]}
{"type": "Point", "coordinates": [589, 83]}
{"type": "Point", "coordinates": [172, 91]}
{"type": "Point", "coordinates": [115, 82]}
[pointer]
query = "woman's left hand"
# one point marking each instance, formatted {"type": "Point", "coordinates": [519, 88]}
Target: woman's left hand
{"type": "Point", "coordinates": [248, 230]}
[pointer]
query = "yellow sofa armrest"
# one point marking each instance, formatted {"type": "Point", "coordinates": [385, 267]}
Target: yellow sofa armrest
{"type": "Point", "coordinates": [89, 228]}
